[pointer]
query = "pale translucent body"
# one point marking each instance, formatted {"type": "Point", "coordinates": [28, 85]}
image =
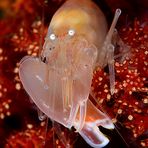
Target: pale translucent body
{"type": "Point", "coordinates": [59, 82]}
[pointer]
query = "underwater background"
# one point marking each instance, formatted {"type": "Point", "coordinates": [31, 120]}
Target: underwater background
{"type": "Point", "coordinates": [23, 25]}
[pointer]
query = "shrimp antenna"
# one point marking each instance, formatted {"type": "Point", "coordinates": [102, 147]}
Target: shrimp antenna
{"type": "Point", "coordinates": [41, 115]}
{"type": "Point", "coordinates": [41, 29]}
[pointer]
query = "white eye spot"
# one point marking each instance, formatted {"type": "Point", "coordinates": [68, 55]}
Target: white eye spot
{"type": "Point", "coordinates": [52, 36]}
{"type": "Point", "coordinates": [71, 32]}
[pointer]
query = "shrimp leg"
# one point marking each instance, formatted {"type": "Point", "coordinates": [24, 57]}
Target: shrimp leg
{"type": "Point", "coordinates": [82, 115]}
{"type": "Point", "coordinates": [73, 114]}
{"type": "Point", "coordinates": [106, 55]}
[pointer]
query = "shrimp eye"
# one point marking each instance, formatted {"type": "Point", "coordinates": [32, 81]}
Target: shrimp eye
{"type": "Point", "coordinates": [52, 37]}
{"type": "Point", "coordinates": [71, 32]}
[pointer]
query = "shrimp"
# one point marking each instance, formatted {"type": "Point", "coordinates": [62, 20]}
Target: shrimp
{"type": "Point", "coordinates": [59, 82]}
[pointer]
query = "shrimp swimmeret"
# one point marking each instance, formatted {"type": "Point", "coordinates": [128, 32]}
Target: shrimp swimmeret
{"type": "Point", "coordinates": [59, 82]}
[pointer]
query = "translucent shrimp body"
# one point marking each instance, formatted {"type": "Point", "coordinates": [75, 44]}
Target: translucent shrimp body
{"type": "Point", "coordinates": [59, 83]}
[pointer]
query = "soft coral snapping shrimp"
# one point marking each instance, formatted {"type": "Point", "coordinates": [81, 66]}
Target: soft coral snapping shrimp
{"type": "Point", "coordinates": [59, 82]}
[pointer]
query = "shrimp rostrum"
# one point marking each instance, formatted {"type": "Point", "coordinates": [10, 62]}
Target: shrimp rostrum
{"type": "Point", "coordinates": [59, 81]}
